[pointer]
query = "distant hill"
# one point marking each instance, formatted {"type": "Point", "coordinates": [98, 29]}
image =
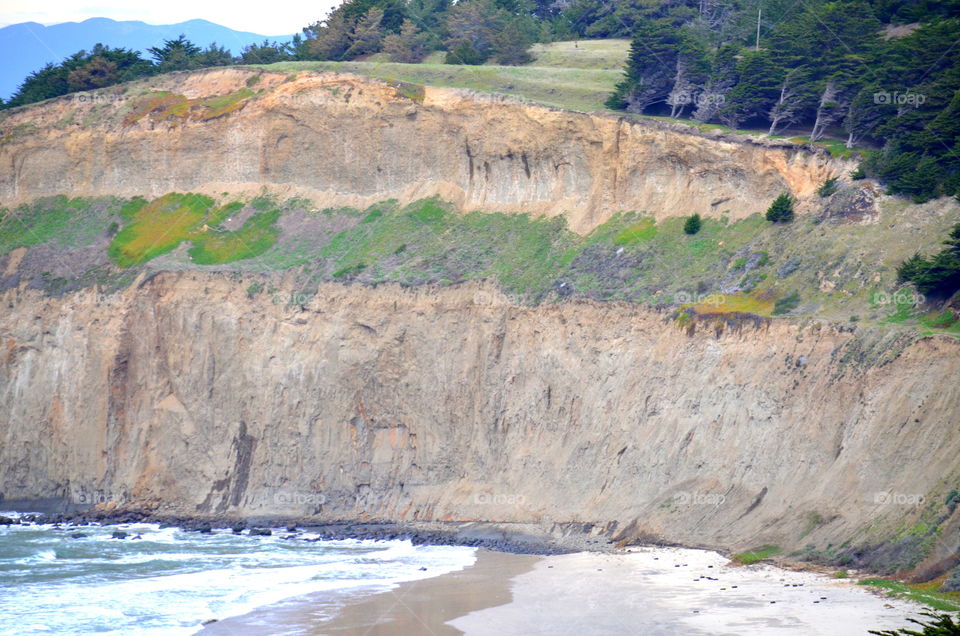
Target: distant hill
{"type": "Point", "coordinates": [28, 46]}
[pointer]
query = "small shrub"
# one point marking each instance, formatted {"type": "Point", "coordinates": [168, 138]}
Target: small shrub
{"type": "Point", "coordinates": [786, 304]}
{"type": "Point", "coordinates": [858, 174]}
{"type": "Point", "coordinates": [781, 210]}
{"type": "Point", "coordinates": [828, 187]}
{"type": "Point", "coordinates": [350, 270]}
{"type": "Point", "coordinates": [842, 574]}
{"type": "Point", "coordinates": [692, 225]}
{"type": "Point", "coordinates": [939, 274]}
{"type": "Point", "coordinates": [465, 53]}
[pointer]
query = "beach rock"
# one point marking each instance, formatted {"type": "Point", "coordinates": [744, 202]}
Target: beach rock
{"type": "Point", "coordinates": [78, 535]}
{"type": "Point", "coordinates": [6, 521]}
{"type": "Point", "coordinates": [260, 532]}
{"type": "Point", "coordinates": [118, 534]}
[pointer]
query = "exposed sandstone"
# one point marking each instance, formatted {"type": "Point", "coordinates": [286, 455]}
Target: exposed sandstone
{"type": "Point", "coordinates": [185, 396]}
{"type": "Point", "coordinates": [345, 140]}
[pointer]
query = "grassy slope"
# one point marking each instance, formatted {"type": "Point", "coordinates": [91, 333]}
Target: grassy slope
{"type": "Point", "coordinates": [577, 76]}
{"type": "Point", "coordinates": [811, 267]}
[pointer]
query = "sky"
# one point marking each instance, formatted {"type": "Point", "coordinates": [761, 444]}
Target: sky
{"type": "Point", "coordinates": [265, 18]}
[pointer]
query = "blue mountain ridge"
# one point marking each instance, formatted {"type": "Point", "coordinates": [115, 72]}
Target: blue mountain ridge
{"type": "Point", "coordinates": [28, 46]}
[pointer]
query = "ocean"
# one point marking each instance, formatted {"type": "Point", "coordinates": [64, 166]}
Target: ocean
{"type": "Point", "coordinates": [80, 580]}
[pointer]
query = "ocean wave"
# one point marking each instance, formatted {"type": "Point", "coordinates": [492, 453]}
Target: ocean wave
{"type": "Point", "coordinates": [207, 578]}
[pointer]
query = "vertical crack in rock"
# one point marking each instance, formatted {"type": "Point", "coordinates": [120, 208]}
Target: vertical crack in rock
{"type": "Point", "coordinates": [243, 445]}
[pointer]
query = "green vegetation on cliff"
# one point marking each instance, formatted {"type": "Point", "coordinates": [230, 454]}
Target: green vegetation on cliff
{"type": "Point", "coordinates": [160, 226]}
{"type": "Point", "coordinates": [819, 265]}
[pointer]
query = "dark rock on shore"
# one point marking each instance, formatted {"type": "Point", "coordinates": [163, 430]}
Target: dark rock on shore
{"type": "Point", "coordinates": [118, 534]}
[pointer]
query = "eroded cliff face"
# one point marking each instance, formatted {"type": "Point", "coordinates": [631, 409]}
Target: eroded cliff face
{"type": "Point", "coordinates": [184, 395]}
{"type": "Point", "coordinates": [344, 140]}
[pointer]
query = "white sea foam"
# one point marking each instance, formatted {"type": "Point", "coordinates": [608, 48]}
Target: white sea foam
{"type": "Point", "coordinates": [108, 586]}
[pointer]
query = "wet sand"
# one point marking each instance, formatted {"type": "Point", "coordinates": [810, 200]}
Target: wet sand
{"type": "Point", "coordinates": [416, 607]}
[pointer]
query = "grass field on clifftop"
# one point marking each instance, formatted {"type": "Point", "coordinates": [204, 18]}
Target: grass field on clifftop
{"type": "Point", "coordinates": [574, 75]}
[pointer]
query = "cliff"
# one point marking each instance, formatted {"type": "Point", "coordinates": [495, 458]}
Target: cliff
{"type": "Point", "coordinates": [183, 395]}
{"type": "Point", "coordinates": [211, 381]}
{"type": "Point", "coordinates": [344, 140]}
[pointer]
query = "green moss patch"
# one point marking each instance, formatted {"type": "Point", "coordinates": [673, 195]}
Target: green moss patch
{"type": "Point", "coordinates": [756, 555]}
{"type": "Point", "coordinates": [158, 227]}
{"type": "Point", "coordinates": [50, 220]}
{"type": "Point", "coordinates": [166, 106]}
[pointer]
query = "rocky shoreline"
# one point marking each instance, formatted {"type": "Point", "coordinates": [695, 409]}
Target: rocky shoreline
{"type": "Point", "coordinates": [499, 537]}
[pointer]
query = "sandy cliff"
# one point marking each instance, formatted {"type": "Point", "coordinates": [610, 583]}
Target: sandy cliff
{"type": "Point", "coordinates": [184, 395]}
{"type": "Point", "coordinates": [187, 394]}
{"type": "Point", "coordinates": [344, 140]}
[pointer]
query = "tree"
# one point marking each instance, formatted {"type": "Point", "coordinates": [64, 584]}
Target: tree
{"type": "Point", "coordinates": [692, 72]}
{"type": "Point", "coordinates": [692, 224]}
{"type": "Point", "coordinates": [938, 275]}
{"type": "Point", "coordinates": [651, 68]}
{"type": "Point", "coordinates": [781, 210]}
{"type": "Point", "coordinates": [940, 624]}
{"type": "Point", "coordinates": [102, 66]}
{"type": "Point", "coordinates": [330, 39]}
{"type": "Point", "coordinates": [265, 53]}
{"type": "Point", "coordinates": [409, 46]}
{"type": "Point", "coordinates": [96, 73]}
{"type": "Point", "coordinates": [754, 91]}
{"type": "Point", "coordinates": [367, 34]}
{"type": "Point", "coordinates": [512, 44]}
{"type": "Point", "coordinates": [472, 27]}
{"type": "Point", "coordinates": [214, 55]}
{"type": "Point", "coordinates": [175, 55]}
{"type": "Point", "coordinates": [723, 76]}
{"type": "Point", "coordinates": [792, 101]}
{"type": "Point", "coordinates": [864, 114]}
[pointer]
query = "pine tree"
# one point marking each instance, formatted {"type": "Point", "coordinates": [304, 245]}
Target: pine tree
{"type": "Point", "coordinates": [692, 224]}
{"type": "Point", "coordinates": [781, 210]}
{"type": "Point", "coordinates": [755, 91]}
{"type": "Point", "coordinates": [651, 68]}
{"type": "Point", "coordinates": [175, 55]}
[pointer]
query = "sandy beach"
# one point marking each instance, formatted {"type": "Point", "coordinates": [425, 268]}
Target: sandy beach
{"type": "Point", "coordinates": [417, 607]}
{"type": "Point", "coordinates": [645, 591]}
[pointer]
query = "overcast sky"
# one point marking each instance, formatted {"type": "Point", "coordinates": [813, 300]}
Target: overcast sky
{"type": "Point", "coordinates": [266, 18]}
